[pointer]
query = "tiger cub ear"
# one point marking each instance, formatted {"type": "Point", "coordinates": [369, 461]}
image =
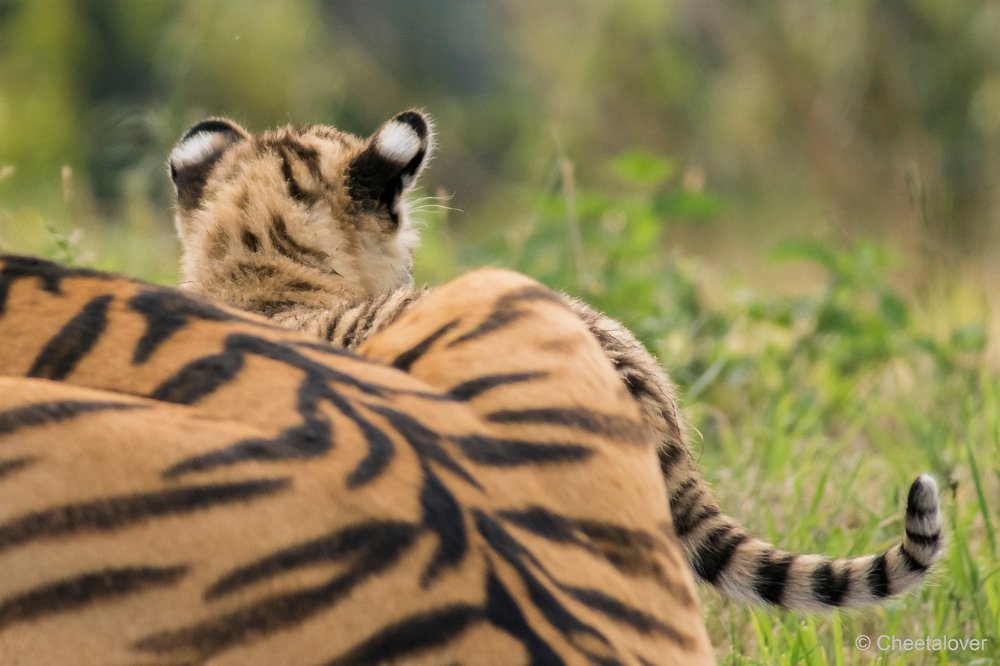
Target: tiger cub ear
{"type": "Point", "coordinates": [390, 162]}
{"type": "Point", "coordinates": [196, 153]}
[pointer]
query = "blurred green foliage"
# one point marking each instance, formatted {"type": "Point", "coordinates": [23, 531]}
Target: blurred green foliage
{"type": "Point", "coordinates": [802, 116]}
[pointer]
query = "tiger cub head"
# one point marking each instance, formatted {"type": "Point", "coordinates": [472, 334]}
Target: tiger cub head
{"type": "Point", "coordinates": [307, 216]}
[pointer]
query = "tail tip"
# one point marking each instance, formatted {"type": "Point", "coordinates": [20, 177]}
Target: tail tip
{"type": "Point", "coordinates": [923, 496]}
{"type": "Point", "coordinates": [924, 529]}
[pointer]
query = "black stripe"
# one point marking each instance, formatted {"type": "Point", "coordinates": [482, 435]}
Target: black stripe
{"type": "Point", "coordinates": [914, 512]}
{"type": "Point", "coordinates": [503, 612]}
{"type": "Point", "coordinates": [402, 306]}
{"type": "Point", "coordinates": [306, 440]}
{"type": "Point", "coordinates": [280, 230]}
{"type": "Point", "coordinates": [14, 268]}
{"type": "Point", "coordinates": [513, 453]}
{"type": "Point", "coordinates": [294, 189]}
{"type": "Point", "coordinates": [633, 552]}
{"type": "Point", "coordinates": [199, 378]}
{"type": "Point", "coordinates": [609, 425]}
{"type": "Point", "coordinates": [381, 450]}
{"type": "Point", "coordinates": [771, 575]}
{"type": "Point", "coordinates": [412, 635]}
{"type": "Point", "coordinates": [112, 513]}
{"type": "Point", "coordinates": [582, 532]}
{"type": "Point", "coordinates": [684, 501]}
{"type": "Point", "coordinates": [683, 489]}
{"type": "Point", "coordinates": [497, 320]}
{"type": "Point", "coordinates": [913, 497]}
{"type": "Point", "coordinates": [374, 182]}
{"type": "Point", "coordinates": [505, 313]}
{"type": "Point", "coordinates": [308, 156]}
{"type": "Point", "coordinates": [331, 326]}
{"type": "Point", "coordinates": [910, 562]}
{"type": "Point", "coordinates": [290, 248]}
{"type": "Point", "coordinates": [473, 388]}
{"type": "Point", "coordinates": [263, 616]}
{"type": "Point", "coordinates": [715, 551]}
{"type": "Point", "coordinates": [615, 609]}
{"type": "Point", "coordinates": [372, 310]}
{"type": "Point", "coordinates": [374, 538]}
{"type": "Point", "coordinates": [584, 637]}
{"type": "Point", "coordinates": [669, 453]}
{"type": "Point", "coordinates": [924, 540]}
{"type": "Point", "coordinates": [70, 594]}
{"type": "Point", "coordinates": [406, 359]}
{"type": "Point", "coordinates": [687, 523]}
{"type": "Point", "coordinates": [43, 413]}
{"type": "Point", "coordinates": [245, 270]}
{"type": "Point", "coordinates": [271, 307]}
{"type": "Point", "coordinates": [313, 436]}
{"type": "Point", "coordinates": [442, 514]}
{"type": "Point", "coordinates": [50, 275]}
{"type": "Point", "coordinates": [302, 285]}
{"type": "Point", "coordinates": [250, 240]}
{"type": "Point", "coordinates": [878, 577]}
{"type": "Point", "coordinates": [166, 312]}
{"type": "Point", "coordinates": [635, 381]}
{"type": "Point", "coordinates": [8, 467]}
{"type": "Point", "coordinates": [347, 339]}
{"type": "Point", "coordinates": [61, 354]}
{"type": "Point", "coordinates": [415, 121]}
{"type": "Point", "coordinates": [828, 586]}
{"type": "Point", "coordinates": [210, 127]}
{"type": "Point", "coordinates": [427, 443]}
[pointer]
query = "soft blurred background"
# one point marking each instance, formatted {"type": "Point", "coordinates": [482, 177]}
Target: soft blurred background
{"type": "Point", "coordinates": [795, 204]}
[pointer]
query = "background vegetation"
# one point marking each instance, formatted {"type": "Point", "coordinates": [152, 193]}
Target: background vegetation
{"type": "Point", "coordinates": [795, 204]}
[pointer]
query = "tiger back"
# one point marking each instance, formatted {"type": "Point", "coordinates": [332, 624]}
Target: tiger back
{"type": "Point", "coordinates": [181, 483]}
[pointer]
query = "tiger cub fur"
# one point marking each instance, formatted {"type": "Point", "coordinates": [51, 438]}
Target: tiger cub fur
{"type": "Point", "coordinates": [182, 483]}
{"type": "Point", "coordinates": [309, 227]}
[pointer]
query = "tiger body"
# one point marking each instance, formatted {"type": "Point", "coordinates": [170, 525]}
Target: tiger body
{"type": "Point", "coordinates": [181, 483]}
{"type": "Point", "coordinates": [302, 175]}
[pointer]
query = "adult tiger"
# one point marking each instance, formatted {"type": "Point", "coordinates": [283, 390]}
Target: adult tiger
{"type": "Point", "coordinates": [182, 484]}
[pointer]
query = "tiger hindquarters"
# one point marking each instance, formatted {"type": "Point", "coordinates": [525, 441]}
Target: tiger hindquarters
{"type": "Point", "coordinates": [158, 506]}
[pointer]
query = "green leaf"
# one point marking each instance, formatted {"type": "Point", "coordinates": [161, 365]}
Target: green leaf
{"type": "Point", "coordinates": [894, 309]}
{"type": "Point", "coordinates": [685, 203]}
{"type": "Point", "coordinates": [970, 339]}
{"type": "Point", "coordinates": [643, 168]}
{"type": "Point", "coordinates": [808, 250]}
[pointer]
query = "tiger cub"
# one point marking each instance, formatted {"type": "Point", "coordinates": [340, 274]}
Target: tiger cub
{"type": "Point", "coordinates": [309, 226]}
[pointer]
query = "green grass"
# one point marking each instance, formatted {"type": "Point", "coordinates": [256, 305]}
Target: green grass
{"type": "Point", "coordinates": [810, 413]}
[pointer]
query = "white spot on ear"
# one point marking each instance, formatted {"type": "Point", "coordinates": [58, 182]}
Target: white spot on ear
{"type": "Point", "coordinates": [398, 142]}
{"type": "Point", "coordinates": [197, 148]}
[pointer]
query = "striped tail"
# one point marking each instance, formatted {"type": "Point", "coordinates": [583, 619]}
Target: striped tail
{"type": "Point", "coordinates": [720, 550]}
{"type": "Point", "coordinates": [722, 553]}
